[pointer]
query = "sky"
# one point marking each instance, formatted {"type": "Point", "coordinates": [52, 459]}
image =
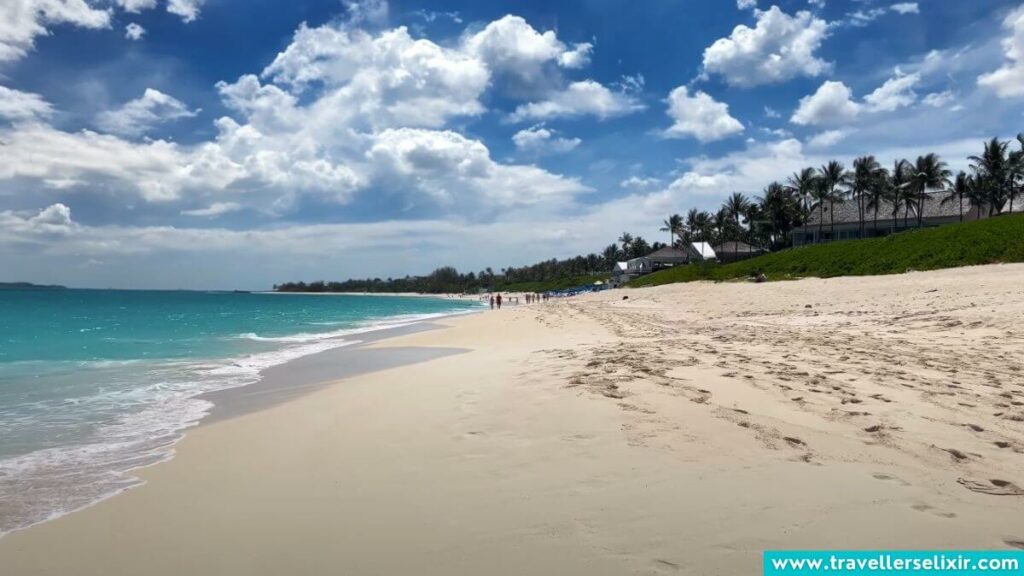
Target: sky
{"type": "Point", "coordinates": [233, 144]}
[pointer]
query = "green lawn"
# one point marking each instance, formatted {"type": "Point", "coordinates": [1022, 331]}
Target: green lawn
{"type": "Point", "coordinates": [999, 239]}
{"type": "Point", "coordinates": [554, 284]}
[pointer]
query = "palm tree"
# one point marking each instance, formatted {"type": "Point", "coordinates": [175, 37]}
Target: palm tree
{"type": "Point", "coordinates": [611, 254]}
{"type": "Point", "coordinates": [736, 205]}
{"type": "Point", "coordinates": [865, 176]}
{"type": "Point", "coordinates": [819, 198]}
{"type": "Point", "coordinates": [929, 172]}
{"type": "Point", "coordinates": [897, 191]}
{"type": "Point", "coordinates": [627, 242]}
{"type": "Point", "coordinates": [961, 186]}
{"type": "Point", "coordinates": [991, 172]}
{"type": "Point", "coordinates": [673, 225]}
{"type": "Point", "coordinates": [1016, 171]}
{"type": "Point", "coordinates": [877, 193]}
{"type": "Point", "coordinates": [833, 175]}
{"type": "Point", "coordinates": [802, 184]}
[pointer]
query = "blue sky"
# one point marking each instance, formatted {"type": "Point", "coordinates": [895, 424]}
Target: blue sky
{"type": "Point", "coordinates": [231, 143]}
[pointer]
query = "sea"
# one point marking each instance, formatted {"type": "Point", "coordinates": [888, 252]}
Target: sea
{"type": "Point", "coordinates": [97, 383]}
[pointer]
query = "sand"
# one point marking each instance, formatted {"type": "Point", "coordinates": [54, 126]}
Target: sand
{"type": "Point", "coordinates": [683, 430]}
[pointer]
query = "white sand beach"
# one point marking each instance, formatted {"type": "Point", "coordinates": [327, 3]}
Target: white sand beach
{"type": "Point", "coordinates": [684, 429]}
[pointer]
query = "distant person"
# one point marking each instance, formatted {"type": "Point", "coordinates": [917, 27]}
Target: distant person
{"type": "Point", "coordinates": [498, 300]}
{"type": "Point", "coordinates": [492, 302]}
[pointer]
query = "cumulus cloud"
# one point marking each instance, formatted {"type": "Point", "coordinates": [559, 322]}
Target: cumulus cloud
{"type": "Point", "coordinates": [141, 115]}
{"type": "Point", "coordinates": [779, 47]}
{"type": "Point", "coordinates": [136, 6]}
{"type": "Point", "coordinates": [16, 105]}
{"type": "Point", "coordinates": [187, 9]}
{"type": "Point", "coordinates": [584, 98]}
{"type": "Point", "coordinates": [23, 20]}
{"type": "Point", "coordinates": [746, 4]}
{"type": "Point", "coordinates": [134, 31]}
{"type": "Point", "coordinates": [897, 92]}
{"type": "Point", "coordinates": [826, 139]}
{"type": "Point", "coordinates": [510, 46]}
{"type": "Point", "coordinates": [1008, 80]}
{"type": "Point", "coordinates": [939, 99]}
{"type": "Point", "coordinates": [699, 116]}
{"type": "Point", "coordinates": [832, 104]}
{"type": "Point", "coordinates": [906, 8]}
{"type": "Point", "coordinates": [540, 140]}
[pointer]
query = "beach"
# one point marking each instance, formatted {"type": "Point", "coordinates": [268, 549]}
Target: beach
{"type": "Point", "coordinates": [677, 429]}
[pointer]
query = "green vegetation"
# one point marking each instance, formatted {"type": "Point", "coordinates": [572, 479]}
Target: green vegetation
{"type": "Point", "coordinates": [999, 239]}
{"type": "Point", "coordinates": [554, 284]}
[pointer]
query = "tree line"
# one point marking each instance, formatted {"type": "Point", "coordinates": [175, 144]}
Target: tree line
{"type": "Point", "coordinates": [994, 181]}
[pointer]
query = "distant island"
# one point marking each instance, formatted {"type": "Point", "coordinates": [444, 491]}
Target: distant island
{"type": "Point", "coordinates": [29, 286]}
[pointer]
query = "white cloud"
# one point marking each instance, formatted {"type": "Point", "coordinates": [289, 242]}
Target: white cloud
{"type": "Point", "coordinates": [584, 98]}
{"type": "Point", "coordinates": [826, 139]}
{"type": "Point", "coordinates": [21, 21]}
{"type": "Point", "coordinates": [136, 6]}
{"type": "Point", "coordinates": [1008, 80]}
{"type": "Point", "coordinates": [381, 81]}
{"type": "Point", "coordinates": [187, 9]}
{"type": "Point", "coordinates": [214, 210]}
{"type": "Point", "coordinates": [939, 99]}
{"type": "Point", "coordinates": [16, 105]}
{"type": "Point", "coordinates": [510, 45]}
{"type": "Point", "coordinates": [539, 140]}
{"type": "Point", "coordinates": [640, 183]}
{"type": "Point", "coordinates": [141, 115]}
{"type": "Point", "coordinates": [778, 48]}
{"type": "Point", "coordinates": [450, 168]}
{"type": "Point", "coordinates": [699, 116]}
{"type": "Point", "coordinates": [746, 4]}
{"type": "Point", "coordinates": [134, 31]}
{"type": "Point", "coordinates": [906, 8]}
{"type": "Point", "coordinates": [831, 104]}
{"type": "Point", "coordinates": [897, 92]}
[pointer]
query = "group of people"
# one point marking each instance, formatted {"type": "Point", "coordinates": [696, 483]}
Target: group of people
{"type": "Point", "coordinates": [530, 299]}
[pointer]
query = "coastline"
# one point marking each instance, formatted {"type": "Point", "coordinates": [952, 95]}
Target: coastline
{"type": "Point", "coordinates": [687, 428]}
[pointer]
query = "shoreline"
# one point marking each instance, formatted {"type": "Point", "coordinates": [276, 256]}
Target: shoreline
{"type": "Point", "coordinates": [274, 384]}
{"type": "Point", "coordinates": [686, 428]}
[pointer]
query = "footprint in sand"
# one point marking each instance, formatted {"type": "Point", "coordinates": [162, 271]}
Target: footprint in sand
{"type": "Point", "coordinates": [992, 487]}
{"type": "Point", "coordinates": [932, 510]}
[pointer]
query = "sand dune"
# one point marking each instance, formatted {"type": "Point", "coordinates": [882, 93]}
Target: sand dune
{"type": "Point", "coordinates": [682, 430]}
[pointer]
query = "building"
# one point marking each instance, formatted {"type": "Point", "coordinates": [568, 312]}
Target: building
{"type": "Point", "coordinates": [735, 251]}
{"type": "Point", "coordinates": [667, 257]}
{"type": "Point", "coordinates": [844, 217]}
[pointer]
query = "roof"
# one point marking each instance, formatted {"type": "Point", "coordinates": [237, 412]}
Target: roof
{"type": "Point", "coordinates": [668, 253]}
{"type": "Point", "coordinates": [846, 211]}
{"type": "Point", "coordinates": [735, 247]}
{"type": "Point", "coordinates": [704, 249]}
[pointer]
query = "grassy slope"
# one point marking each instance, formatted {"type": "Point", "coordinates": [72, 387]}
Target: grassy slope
{"type": "Point", "coordinates": [989, 241]}
{"type": "Point", "coordinates": [554, 284]}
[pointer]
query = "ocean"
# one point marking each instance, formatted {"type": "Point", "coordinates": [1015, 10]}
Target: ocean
{"type": "Point", "coordinates": [96, 383]}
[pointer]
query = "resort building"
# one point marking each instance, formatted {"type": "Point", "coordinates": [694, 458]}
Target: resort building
{"type": "Point", "coordinates": [842, 220]}
{"type": "Point", "coordinates": [735, 251]}
{"type": "Point", "coordinates": [667, 257]}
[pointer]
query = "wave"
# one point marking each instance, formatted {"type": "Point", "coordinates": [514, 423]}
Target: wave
{"type": "Point", "coordinates": [138, 423]}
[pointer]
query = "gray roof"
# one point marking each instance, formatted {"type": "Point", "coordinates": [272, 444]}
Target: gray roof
{"type": "Point", "coordinates": [668, 253]}
{"type": "Point", "coordinates": [733, 247]}
{"type": "Point", "coordinates": [846, 211]}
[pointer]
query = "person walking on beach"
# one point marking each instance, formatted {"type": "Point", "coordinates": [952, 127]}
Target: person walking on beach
{"type": "Point", "coordinates": [492, 301]}
{"type": "Point", "coordinates": [498, 300]}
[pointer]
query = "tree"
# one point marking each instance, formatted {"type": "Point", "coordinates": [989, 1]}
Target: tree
{"type": "Point", "coordinates": [819, 198]}
{"type": "Point", "coordinates": [833, 176]}
{"type": "Point", "coordinates": [991, 173]}
{"type": "Point", "coordinates": [877, 193]}
{"type": "Point", "coordinates": [961, 188]}
{"type": "Point", "coordinates": [802, 184]}
{"type": "Point", "coordinates": [627, 242]}
{"type": "Point", "coordinates": [929, 173]}
{"type": "Point", "coordinates": [673, 225]}
{"type": "Point", "coordinates": [735, 206]}
{"type": "Point", "coordinates": [865, 176]}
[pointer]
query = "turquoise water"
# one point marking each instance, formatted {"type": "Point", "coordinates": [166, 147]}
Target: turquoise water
{"type": "Point", "coordinates": [95, 383]}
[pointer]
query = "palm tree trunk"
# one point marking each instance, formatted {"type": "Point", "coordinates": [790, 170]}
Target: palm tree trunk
{"type": "Point", "coordinates": [821, 221]}
{"type": "Point", "coordinates": [961, 198]}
